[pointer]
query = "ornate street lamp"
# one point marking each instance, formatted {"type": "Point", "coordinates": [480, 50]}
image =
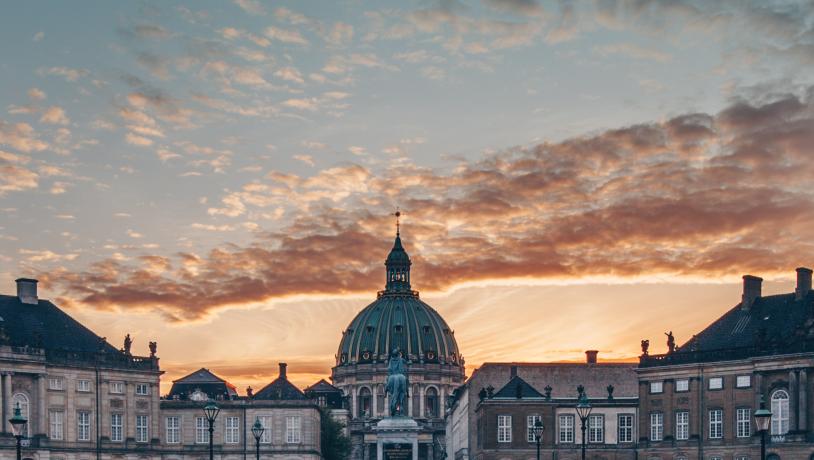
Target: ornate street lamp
{"type": "Point", "coordinates": [538, 435]}
{"type": "Point", "coordinates": [18, 423]}
{"type": "Point", "coordinates": [257, 431]}
{"type": "Point", "coordinates": [583, 411]}
{"type": "Point", "coordinates": [762, 419]}
{"type": "Point", "coordinates": [211, 411]}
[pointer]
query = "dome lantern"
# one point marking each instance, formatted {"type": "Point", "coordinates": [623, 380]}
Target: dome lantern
{"type": "Point", "coordinates": [397, 265]}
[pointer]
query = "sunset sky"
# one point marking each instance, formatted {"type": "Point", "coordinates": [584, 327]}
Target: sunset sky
{"type": "Point", "coordinates": [220, 176]}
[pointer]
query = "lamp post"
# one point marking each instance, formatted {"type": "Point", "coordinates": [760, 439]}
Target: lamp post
{"type": "Point", "coordinates": [538, 435]}
{"type": "Point", "coordinates": [18, 423]}
{"type": "Point", "coordinates": [583, 410]}
{"type": "Point", "coordinates": [257, 431]}
{"type": "Point", "coordinates": [762, 419]}
{"type": "Point", "coordinates": [211, 411]}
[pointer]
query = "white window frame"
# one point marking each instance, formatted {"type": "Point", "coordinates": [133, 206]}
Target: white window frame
{"type": "Point", "coordinates": [504, 428]}
{"type": "Point", "coordinates": [530, 421]}
{"type": "Point", "coordinates": [266, 421]}
{"type": "Point", "coordinates": [743, 381]}
{"type": "Point", "coordinates": [231, 428]}
{"type": "Point", "coordinates": [142, 389]}
{"type": "Point", "coordinates": [172, 425]}
{"type": "Point", "coordinates": [716, 423]}
{"type": "Point", "coordinates": [625, 428]}
{"type": "Point", "coordinates": [596, 429]}
{"type": "Point", "coordinates": [715, 383]}
{"type": "Point", "coordinates": [116, 427]}
{"type": "Point", "coordinates": [56, 421]}
{"type": "Point", "coordinates": [142, 428]}
{"type": "Point", "coordinates": [682, 385]}
{"type": "Point", "coordinates": [566, 429]}
{"type": "Point", "coordinates": [117, 388]}
{"type": "Point", "coordinates": [743, 422]}
{"type": "Point", "coordinates": [56, 383]}
{"type": "Point", "coordinates": [656, 426]}
{"type": "Point", "coordinates": [780, 413]}
{"type": "Point", "coordinates": [656, 387]}
{"type": "Point", "coordinates": [682, 425]}
{"type": "Point", "coordinates": [83, 425]}
{"type": "Point", "coordinates": [201, 430]}
{"type": "Point", "coordinates": [293, 429]}
{"type": "Point", "coordinates": [83, 386]}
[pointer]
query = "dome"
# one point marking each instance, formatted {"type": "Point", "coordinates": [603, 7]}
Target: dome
{"type": "Point", "coordinates": [398, 319]}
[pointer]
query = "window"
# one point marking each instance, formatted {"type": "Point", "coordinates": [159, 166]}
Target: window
{"type": "Point", "coordinates": [596, 429]}
{"type": "Point", "coordinates": [201, 430]}
{"type": "Point", "coordinates": [656, 426]}
{"type": "Point", "coordinates": [293, 429]}
{"type": "Point", "coordinates": [682, 425]}
{"type": "Point", "coordinates": [741, 457]}
{"type": "Point", "coordinates": [780, 413]}
{"type": "Point", "coordinates": [625, 428]}
{"type": "Point", "coordinates": [117, 387]}
{"type": "Point", "coordinates": [57, 428]}
{"type": "Point", "coordinates": [322, 401]}
{"type": "Point", "coordinates": [743, 423]}
{"type": "Point", "coordinates": [142, 389]}
{"type": "Point", "coordinates": [431, 402]}
{"type": "Point", "coordinates": [19, 399]}
{"type": "Point", "coordinates": [683, 385]}
{"type": "Point", "coordinates": [715, 457]}
{"type": "Point", "coordinates": [504, 428]}
{"type": "Point", "coordinates": [716, 383]}
{"type": "Point", "coordinates": [530, 421]}
{"type": "Point", "coordinates": [142, 434]}
{"type": "Point", "coordinates": [55, 383]}
{"type": "Point", "coordinates": [116, 427]}
{"type": "Point", "coordinates": [173, 430]}
{"type": "Point", "coordinates": [265, 420]}
{"type": "Point", "coordinates": [566, 429]}
{"type": "Point", "coordinates": [232, 430]}
{"type": "Point", "coordinates": [743, 381]}
{"type": "Point", "coordinates": [364, 402]}
{"type": "Point", "coordinates": [656, 387]}
{"type": "Point", "coordinates": [83, 385]}
{"type": "Point", "coordinates": [83, 426]}
{"type": "Point", "coordinates": [716, 424]}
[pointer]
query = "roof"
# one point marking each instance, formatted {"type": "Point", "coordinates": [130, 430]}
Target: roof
{"type": "Point", "coordinates": [517, 388]}
{"type": "Point", "coordinates": [323, 387]}
{"type": "Point", "coordinates": [205, 381]}
{"type": "Point", "coordinates": [279, 389]}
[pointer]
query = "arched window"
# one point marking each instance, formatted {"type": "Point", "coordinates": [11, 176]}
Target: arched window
{"type": "Point", "coordinates": [22, 400]}
{"type": "Point", "coordinates": [431, 402]}
{"type": "Point", "coordinates": [364, 402]}
{"type": "Point", "coordinates": [381, 405]}
{"type": "Point", "coordinates": [780, 413]}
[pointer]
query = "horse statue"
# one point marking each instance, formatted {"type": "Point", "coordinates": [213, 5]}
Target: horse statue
{"type": "Point", "coordinates": [397, 383]}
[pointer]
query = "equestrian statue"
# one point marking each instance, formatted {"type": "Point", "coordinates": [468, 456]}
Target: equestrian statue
{"type": "Point", "coordinates": [397, 383]}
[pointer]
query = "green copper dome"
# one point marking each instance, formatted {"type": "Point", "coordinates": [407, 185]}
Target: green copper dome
{"type": "Point", "coordinates": [398, 319]}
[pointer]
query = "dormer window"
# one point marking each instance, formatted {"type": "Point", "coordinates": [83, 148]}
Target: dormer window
{"type": "Point", "coordinates": [426, 329]}
{"type": "Point", "coordinates": [369, 329]}
{"type": "Point", "coordinates": [397, 328]}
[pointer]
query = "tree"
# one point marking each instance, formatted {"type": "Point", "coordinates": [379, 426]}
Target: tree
{"type": "Point", "coordinates": [335, 445]}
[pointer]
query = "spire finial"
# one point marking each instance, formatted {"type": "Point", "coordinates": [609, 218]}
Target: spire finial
{"type": "Point", "coordinates": [398, 225]}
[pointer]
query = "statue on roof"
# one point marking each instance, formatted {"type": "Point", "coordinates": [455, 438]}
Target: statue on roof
{"type": "Point", "coordinates": [645, 347]}
{"type": "Point", "coordinates": [397, 384]}
{"type": "Point", "coordinates": [153, 349]}
{"type": "Point", "coordinates": [671, 342]}
{"type": "Point", "coordinates": [128, 343]}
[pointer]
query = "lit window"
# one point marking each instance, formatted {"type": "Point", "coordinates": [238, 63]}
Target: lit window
{"type": "Point", "coordinates": [293, 429]}
{"type": "Point", "coordinates": [656, 387]}
{"type": "Point", "coordinates": [265, 420]}
{"type": "Point", "coordinates": [142, 389]}
{"type": "Point", "coordinates": [117, 387]}
{"type": "Point", "coordinates": [780, 413]}
{"type": "Point", "coordinates": [116, 427]}
{"type": "Point", "coordinates": [57, 428]}
{"type": "Point", "coordinates": [173, 430]}
{"type": "Point", "coordinates": [504, 428]}
{"type": "Point", "coordinates": [716, 383]}
{"type": "Point", "coordinates": [566, 429]}
{"type": "Point", "coordinates": [682, 425]}
{"type": "Point", "coordinates": [625, 428]}
{"type": "Point", "coordinates": [83, 385]}
{"type": "Point", "coordinates": [716, 424]}
{"type": "Point", "coordinates": [683, 385]}
{"type": "Point", "coordinates": [743, 381]}
{"type": "Point", "coordinates": [232, 430]}
{"type": "Point", "coordinates": [55, 383]}
{"type": "Point", "coordinates": [530, 421]}
{"type": "Point", "coordinates": [83, 426]}
{"type": "Point", "coordinates": [596, 429]}
{"type": "Point", "coordinates": [201, 430]}
{"type": "Point", "coordinates": [142, 433]}
{"type": "Point", "coordinates": [656, 426]}
{"type": "Point", "coordinates": [744, 422]}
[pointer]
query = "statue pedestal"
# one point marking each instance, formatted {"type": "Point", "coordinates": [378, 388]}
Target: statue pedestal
{"type": "Point", "coordinates": [397, 439]}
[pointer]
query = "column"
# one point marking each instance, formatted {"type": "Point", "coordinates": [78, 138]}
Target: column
{"type": "Point", "coordinates": [442, 402]}
{"type": "Point", "coordinates": [415, 447]}
{"type": "Point", "coordinates": [380, 450]}
{"type": "Point", "coordinates": [43, 405]}
{"type": "Point", "coordinates": [421, 401]}
{"type": "Point", "coordinates": [802, 402]}
{"type": "Point", "coordinates": [410, 403]}
{"type": "Point", "coordinates": [353, 402]}
{"type": "Point", "coordinates": [7, 409]}
{"type": "Point", "coordinates": [374, 405]}
{"type": "Point", "coordinates": [792, 400]}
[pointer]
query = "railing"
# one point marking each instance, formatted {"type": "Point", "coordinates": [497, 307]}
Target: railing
{"type": "Point", "coordinates": [102, 359]}
{"type": "Point", "coordinates": [725, 354]}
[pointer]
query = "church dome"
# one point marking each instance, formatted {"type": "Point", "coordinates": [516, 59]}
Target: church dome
{"type": "Point", "coordinates": [398, 319]}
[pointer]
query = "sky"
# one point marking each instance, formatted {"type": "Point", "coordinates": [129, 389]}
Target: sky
{"type": "Point", "coordinates": [220, 177]}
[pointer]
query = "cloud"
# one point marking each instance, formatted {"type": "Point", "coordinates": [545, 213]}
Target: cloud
{"type": "Point", "coordinates": [251, 6]}
{"type": "Point", "coordinates": [20, 136]}
{"type": "Point", "coordinates": [307, 159]}
{"type": "Point", "coordinates": [519, 7]}
{"type": "Point", "coordinates": [64, 72]}
{"type": "Point", "coordinates": [285, 35]}
{"type": "Point", "coordinates": [39, 36]}
{"type": "Point", "coordinates": [140, 141]}
{"type": "Point", "coordinates": [14, 177]}
{"type": "Point", "coordinates": [632, 51]}
{"type": "Point", "coordinates": [31, 255]}
{"type": "Point", "coordinates": [36, 94]}
{"type": "Point", "coordinates": [340, 34]}
{"type": "Point", "coordinates": [54, 115]}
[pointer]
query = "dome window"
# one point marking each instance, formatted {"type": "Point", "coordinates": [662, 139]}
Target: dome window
{"type": "Point", "coordinates": [397, 328]}
{"type": "Point", "coordinates": [370, 329]}
{"type": "Point", "coordinates": [366, 355]}
{"type": "Point", "coordinates": [343, 358]}
{"type": "Point", "coordinates": [426, 329]}
{"type": "Point", "coordinates": [430, 355]}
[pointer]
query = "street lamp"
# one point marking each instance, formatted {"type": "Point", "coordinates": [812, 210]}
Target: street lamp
{"type": "Point", "coordinates": [762, 419]}
{"type": "Point", "coordinates": [583, 410]}
{"type": "Point", "coordinates": [18, 428]}
{"type": "Point", "coordinates": [538, 435]}
{"type": "Point", "coordinates": [211, 411]}
{"type": "Point", "coordinates": [257, 431]}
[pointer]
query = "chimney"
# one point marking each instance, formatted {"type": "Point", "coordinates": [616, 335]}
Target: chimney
{"type": "Point", "coordinates": [512, 372]}
{"type": "Point", "coordinates": [803, 283]}
{"type": "Point", "coordinates": [590, 356]}
{"type": "Point", "coordinates": [751, 291]}
{"type": "Point", "coordinates": [282, 371]}
{"type": "Point", "coordinates": [27, 290]}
